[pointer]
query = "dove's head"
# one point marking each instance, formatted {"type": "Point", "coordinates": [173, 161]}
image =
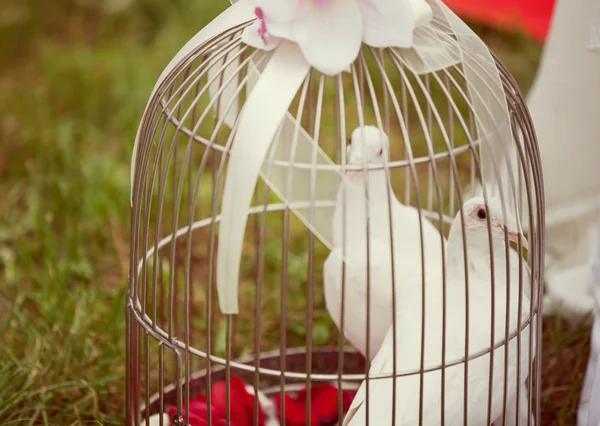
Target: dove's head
{"type": "Point", "coordinates": [367, 145]}
{"type": "Point", "coordinates": [477, 216]}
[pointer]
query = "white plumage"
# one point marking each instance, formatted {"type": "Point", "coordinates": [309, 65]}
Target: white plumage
{"type": "Point", "coordinates": [409, 331]}
{"type": "Point", "coordinates": [370, 146]}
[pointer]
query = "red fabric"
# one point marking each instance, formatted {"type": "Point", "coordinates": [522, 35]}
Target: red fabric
{"type": "Point", "coordinates": [323, 407]}
{"type": "Point", "coordinates": [531, 16]}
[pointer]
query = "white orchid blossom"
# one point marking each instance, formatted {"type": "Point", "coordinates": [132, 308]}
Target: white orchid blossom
{"type": "Point", "coordinates": [330, 32]}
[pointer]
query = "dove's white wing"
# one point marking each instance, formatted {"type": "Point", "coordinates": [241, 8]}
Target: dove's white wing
{"type": "Point", "coordinates": [511, 411]}
{"type": "Point", "coordinates": [378, 365]}
{"type": "Point", "coordinates": [355, 294]}
{"type": "Point", "coordinates": [381, 390]}
{"type": "Point", "coordinates": [407, 262]}
{"type": "Point", "coordinates": [408, 358]}
{"type": "Point", "coordinates": [408, 355]}
{"type": "Point", "coordinates": [480, 326]}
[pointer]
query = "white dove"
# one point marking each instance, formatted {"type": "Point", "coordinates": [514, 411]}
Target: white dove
{"type": "Point", "coordinates": [409, 331]}
{"type": "Point", "coordinates": [524, 404]}
{"type": "Point", "coordinates": [370, 145]}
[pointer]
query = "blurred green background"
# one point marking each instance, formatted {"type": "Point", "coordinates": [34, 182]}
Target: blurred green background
{"type": "Point", "coordinates": [74, 78]}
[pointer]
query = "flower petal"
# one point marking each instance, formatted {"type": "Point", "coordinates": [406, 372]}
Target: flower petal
{"type": "Point", "coordinates": [387, 23]}
{"type": "Point", "coordinates": [329, 33]}
{"type": "Point", "coordinates": [251, 37]}
{"type": "Point", "coordinates": [278, 10]}
{"type": "Point", "coordinates": [280, 29]}
{"type": "Point", "coordinates": [422, 11]}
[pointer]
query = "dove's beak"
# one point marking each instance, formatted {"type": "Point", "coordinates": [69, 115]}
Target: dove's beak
{"type": "Point", "coordinates": [350, 174]}
{"type": "Point", "coordinates": [515, 237]}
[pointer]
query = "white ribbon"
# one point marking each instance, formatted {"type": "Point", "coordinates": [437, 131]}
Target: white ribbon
{"type": "Point", "coordinates": [265, 123]}
{"type": "Point", "coordinates": [490, 110]}
{"type": "Point", "coordinates": [259, 121]}
{"type": "Point", "coordinates": [435, 48]}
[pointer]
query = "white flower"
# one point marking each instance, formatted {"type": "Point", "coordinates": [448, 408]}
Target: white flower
{"type": "Point", "coordinates": [330, 32]}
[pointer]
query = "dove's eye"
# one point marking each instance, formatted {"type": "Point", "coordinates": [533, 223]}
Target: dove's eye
{"type": "Point", "coordinates": [481, 214]}
{"type": "Point", "coordinates": [380, 152]}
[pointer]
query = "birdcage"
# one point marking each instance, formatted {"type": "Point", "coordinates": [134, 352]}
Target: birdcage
{"type": "Point", "coordinates": [268, 185]}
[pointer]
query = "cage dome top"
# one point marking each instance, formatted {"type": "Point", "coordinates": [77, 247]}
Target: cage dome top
{"type": "Point", "coordinates": [299, 38]}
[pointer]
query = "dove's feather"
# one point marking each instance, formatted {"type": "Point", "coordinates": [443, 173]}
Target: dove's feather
{"type": "Point", "coordinates": [406, 247]}
{"type": "Point", "coordinates": [355, 295]}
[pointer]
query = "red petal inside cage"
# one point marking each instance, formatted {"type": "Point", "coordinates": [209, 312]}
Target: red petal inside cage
{"type": "Point", "coordinates": [241, 403]}
{"type": "Point", "coordinates": [323, 405]}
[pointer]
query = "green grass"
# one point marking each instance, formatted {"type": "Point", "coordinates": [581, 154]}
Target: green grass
{"type": "Point", "coordinates": [71, 96]}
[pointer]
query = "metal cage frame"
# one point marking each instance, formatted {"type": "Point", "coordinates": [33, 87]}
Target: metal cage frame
{"type": "Point", "coordinates": [160, 317]}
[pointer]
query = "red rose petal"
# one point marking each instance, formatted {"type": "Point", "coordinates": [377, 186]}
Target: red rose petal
{"type": "Point", "coordinates": [325, 404]}
{"type": "Point", "coordinates": [199, 408]}
{"type": "Point", "coordinates": [347, 398]}
{"type": "Point", "coordinates": [242, 403]}
{"type": "Point", "coordinates": [200, 397]}
{"type": "Point", "coordinates": [196, 419]}
{"type": "Point", "coordinates": [295, 410]}
{"type": "Point", "coordinates": [323, 409]}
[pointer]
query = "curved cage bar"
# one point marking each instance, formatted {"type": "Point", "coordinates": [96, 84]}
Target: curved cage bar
{"type": "Point", "coordinates": [178, 341]}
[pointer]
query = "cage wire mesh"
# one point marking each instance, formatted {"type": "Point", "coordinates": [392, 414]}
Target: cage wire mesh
{"type": "Point", "coordinates": [285, 335]}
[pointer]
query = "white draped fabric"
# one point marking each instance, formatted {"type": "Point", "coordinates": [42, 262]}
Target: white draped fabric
{"type": "Point", "coordinates": [565, 106]}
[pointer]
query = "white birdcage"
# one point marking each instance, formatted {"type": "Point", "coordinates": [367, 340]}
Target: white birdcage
{"type": "Point", "coordinates": [250, 243]}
